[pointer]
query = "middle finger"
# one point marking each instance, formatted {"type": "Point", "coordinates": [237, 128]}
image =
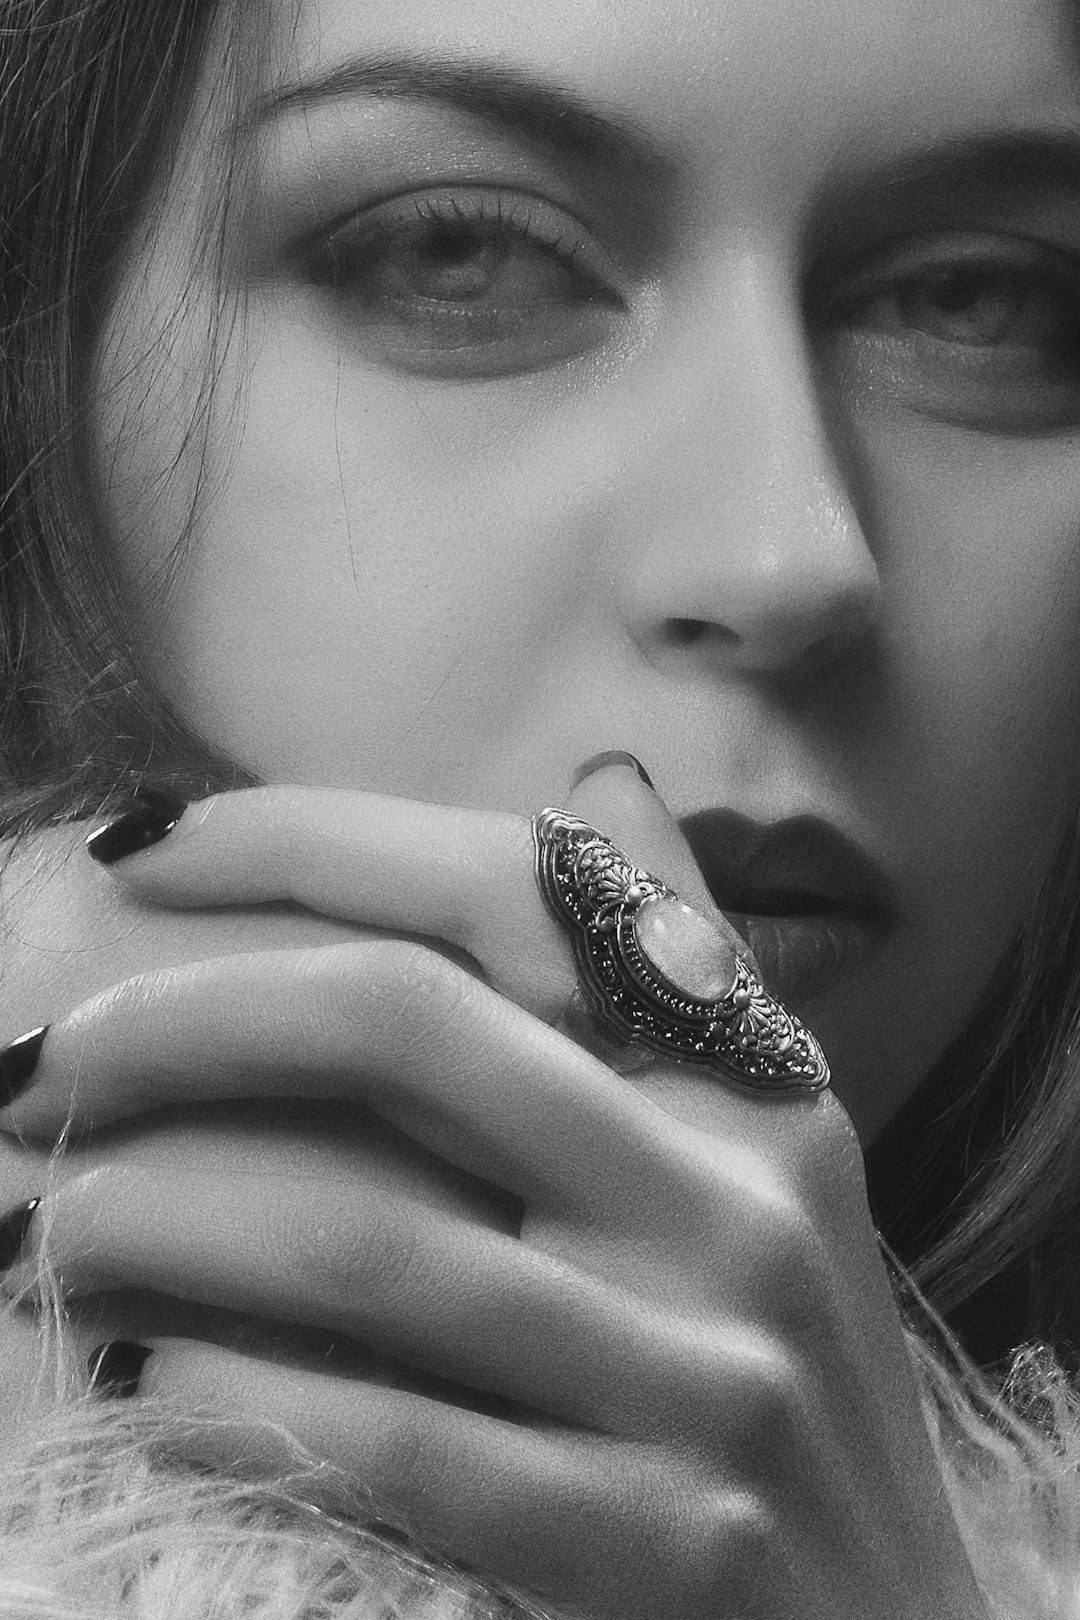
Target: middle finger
{"type": "Point", "coordinates": [387, 1024]}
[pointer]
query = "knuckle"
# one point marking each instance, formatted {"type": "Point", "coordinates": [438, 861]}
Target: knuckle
{"type": "Point", "coordinates": [406, 1466]}
{"type": "Point", "coordinates": [275, 811]}
{"type": "Point", "coordinates": [90, 1198]}
{"type": "Point", "coordinates": [398, 1462]}
{"type": "Point", "coordinates": [777, 1394]}
{"type": "Point", "coordinates": [399, 1270]}
{"type": "Point", "coordinates": [89, 1022]}
{"type": "Point", "coordinates": [767, 1196]}
{"type": "Point", "coordinates": [828, 1164]}
{"type": "Point", "coordinates": [498, 855]}
{"type": "Point", "coordinates": [508, 846]}
{"type": "Point", "coordinates": [701, 1184]}
{"type": "Point", "coordinates": [418, 971]}
{"type": "Point", "coordinates": [82, 1230]}
{"type": "Point", "coordinates": [700, 1546]}
{"type": "Point", "coordinates": [524, 952]}
{"type": "Point", "coordinates": [794, 1265]}
{"type": "Point", "coordinates": [730, 1560]}
{"type": "Point", "coordinates": [398, 985]}
{"type": "Point", "coordinates": [685, 1196]}
{"type": "Point", "coordinates": [357, 1260]}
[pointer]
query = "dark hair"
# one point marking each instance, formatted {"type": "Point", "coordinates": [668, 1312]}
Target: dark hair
{"type": "Point", "coordinates": [976, 1183]}
{"type": "Point", "coordinates": [93, 94]}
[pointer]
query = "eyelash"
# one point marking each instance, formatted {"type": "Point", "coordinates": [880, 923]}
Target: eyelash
{"type": "Point", "coordinates": [380, 265]}
{"type": "Point", "coordinates": [1012, 260]}
{"type": "Point", "coordinates": [467, 283]}
{"type": "Point", "coordinates": [974, 329]}
{"type": "Point", "coordinates": [504, 221]}
{"type": "Point", "coordinates": [478, 209]}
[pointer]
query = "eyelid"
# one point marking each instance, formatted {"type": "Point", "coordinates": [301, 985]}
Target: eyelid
{"type": "Point", "coordinates": [948, 249]}
{"type": "Point", "coordinates": [520, 212]}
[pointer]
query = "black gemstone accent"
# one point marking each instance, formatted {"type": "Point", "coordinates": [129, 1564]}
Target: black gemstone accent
{"type": "Point", "coordinates": [14, 1228]}
{"type": "Point", "coordinates": [611, 756]}
{"type": "Point", "coordinates": [18, 1063]}
{"type": "Point", "coordinates": [115, 1369]}
{"type": "Point", "coordinates": [146, 821]}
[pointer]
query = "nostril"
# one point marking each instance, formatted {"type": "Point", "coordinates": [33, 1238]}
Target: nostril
{"type": "Point", "coordinates": [685, 632]}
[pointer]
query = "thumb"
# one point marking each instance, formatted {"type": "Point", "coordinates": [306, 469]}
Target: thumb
{"type": "Point", "coordinates": [613, 794]}
{"type": "Point", "coordinates": [692, 947]}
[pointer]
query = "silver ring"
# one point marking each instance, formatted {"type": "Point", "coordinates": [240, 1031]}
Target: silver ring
{"type": "Point", "coordinates": [654, 971]}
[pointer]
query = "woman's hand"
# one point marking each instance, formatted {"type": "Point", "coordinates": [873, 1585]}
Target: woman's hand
{"type": "Point", "coordinates": [710, 1408]}
{"type": "Point", "coordinates": [67, 930]}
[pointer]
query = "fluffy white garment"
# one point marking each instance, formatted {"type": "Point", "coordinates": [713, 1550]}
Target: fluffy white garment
{"type": "Point", "coordinates": [95, 1525]}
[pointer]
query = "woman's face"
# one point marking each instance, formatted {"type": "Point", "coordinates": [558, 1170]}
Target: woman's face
{"type": "Point", "coordinates": [697, 380]}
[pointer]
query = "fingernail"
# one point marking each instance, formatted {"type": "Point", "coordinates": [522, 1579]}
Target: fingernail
{"type": "Point", "coordinates": [152, 814]}
{"type": "Point", "coordinates": [611, 756]}
{"type": "Point", "coordinates": [18, 1062]}
{"type": "Point", "coordinates": [116, 1368]}
{"type": "Point", "coordinates": [13, 1230]}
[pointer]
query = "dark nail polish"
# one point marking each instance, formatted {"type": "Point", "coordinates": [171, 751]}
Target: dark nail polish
{"type": "Point", "coordinates": [151, 815]}
{"type": "Point", "coordinates": [18, 1062]}
{"type": "Point", "coordinates": [611, 756]}
{"type": "Point", "coordinates": [115, 1368]}
{"type": "Point", "coordinates": [13, 1232]}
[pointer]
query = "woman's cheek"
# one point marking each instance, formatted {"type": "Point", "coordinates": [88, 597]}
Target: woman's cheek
{"type": "Point", "coordinates": [978, 540]}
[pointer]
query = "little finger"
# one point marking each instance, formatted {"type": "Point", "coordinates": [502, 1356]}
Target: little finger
{"type": "Point", "coordinates": [619, 1532]}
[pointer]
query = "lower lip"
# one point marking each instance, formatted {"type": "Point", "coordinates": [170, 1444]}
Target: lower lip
{"type": "Point", "coordinates": [802, 958]}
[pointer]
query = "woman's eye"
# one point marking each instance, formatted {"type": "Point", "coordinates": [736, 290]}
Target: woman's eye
{"type": "Point", "coordinates": [985, 333]}
{"type": "Point", "coordinates": [468, 284]}
{"type": "Point", "coordinates": [979, 307]}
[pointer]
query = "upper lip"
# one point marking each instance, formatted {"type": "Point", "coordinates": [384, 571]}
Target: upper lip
{"type": "Point", "coordinates": [800, 866]}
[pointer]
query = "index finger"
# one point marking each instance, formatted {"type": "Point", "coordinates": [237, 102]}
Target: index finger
{"type": "Point", "coordinates": [462, 877]}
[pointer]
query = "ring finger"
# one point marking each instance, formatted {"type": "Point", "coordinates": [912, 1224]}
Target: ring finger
{"type": "Point", "coordinates": [431, 1288]}
{"type": "Point", "coordinates": [601, 1527]}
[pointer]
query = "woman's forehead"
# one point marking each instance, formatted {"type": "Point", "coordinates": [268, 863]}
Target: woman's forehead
{"type": "Point", "coordinates": [801, 76]}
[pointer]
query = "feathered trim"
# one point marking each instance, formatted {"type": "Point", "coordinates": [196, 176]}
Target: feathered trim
{"type": "Point", "coordinates": [1010, 1459]}
{"type": "Point", "coordinates": [96, 1525]}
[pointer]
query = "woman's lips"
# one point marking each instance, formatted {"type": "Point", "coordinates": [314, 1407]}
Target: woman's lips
{"type": "Point", "coordinates": [802, 957]}
{"type": "Point", "coordinates": [811, 905]}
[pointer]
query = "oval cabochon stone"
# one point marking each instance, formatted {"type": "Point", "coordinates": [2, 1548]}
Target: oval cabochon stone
{"type": "Point", "coordinates": [682, 945]}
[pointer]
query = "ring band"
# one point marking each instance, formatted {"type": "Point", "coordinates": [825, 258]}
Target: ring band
{"type": "Point", "coordinates": [654, 971]}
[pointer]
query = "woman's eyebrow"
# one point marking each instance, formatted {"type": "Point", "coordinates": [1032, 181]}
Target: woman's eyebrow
{"type": "Point", "coordinates": [991, 165]}
{"type": "Point", "coordinates": [546, 115]}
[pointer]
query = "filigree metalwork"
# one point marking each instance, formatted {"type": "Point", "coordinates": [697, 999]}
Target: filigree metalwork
{"type": "Point", "coordinates": [595, 891]}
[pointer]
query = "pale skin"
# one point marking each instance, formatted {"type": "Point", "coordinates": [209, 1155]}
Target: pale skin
{"type": "Point", "coordinates": [469, 555]}
{"type": "Point", "coordinates": [690, 1315]}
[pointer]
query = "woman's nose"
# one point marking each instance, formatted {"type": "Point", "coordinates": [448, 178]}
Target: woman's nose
{"type": "Point", "coordinates": [749, 552]}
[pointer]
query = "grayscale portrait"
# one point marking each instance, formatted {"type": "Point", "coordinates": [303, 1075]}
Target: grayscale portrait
{"type": "Point", "coordinates": [539, 809]}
